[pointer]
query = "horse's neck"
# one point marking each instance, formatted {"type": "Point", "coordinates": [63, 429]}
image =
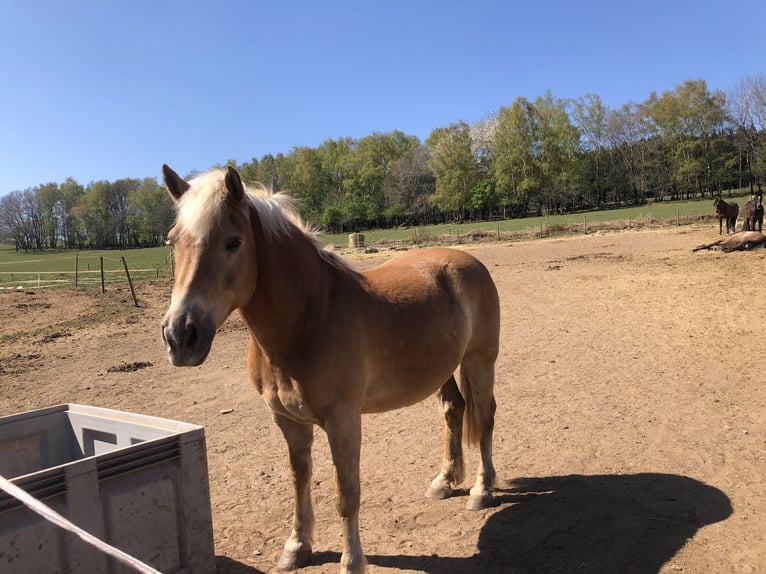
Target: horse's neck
{"type": "Point", "coordinates": [291, 289]}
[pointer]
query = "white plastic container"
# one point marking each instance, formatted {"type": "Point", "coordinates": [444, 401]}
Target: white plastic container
{"type": "Point", "coordinates": [139, 483]}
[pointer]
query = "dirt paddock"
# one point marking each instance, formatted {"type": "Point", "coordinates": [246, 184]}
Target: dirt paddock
{"type": "Point", "coordinates": [630, 432]}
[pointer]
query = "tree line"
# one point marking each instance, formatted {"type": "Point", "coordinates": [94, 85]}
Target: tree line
{"type": "Point", "coordinates": [535, 156]}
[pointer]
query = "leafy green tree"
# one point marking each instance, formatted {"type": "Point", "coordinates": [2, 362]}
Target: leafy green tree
{"type": "Point", "coordinates": [408, 185]}
{"type": "Point", "coordinates": [333, 219]}
{"type": "Point", "coordinates": [517, 174]}
{"type": "Point", "coordinates": [367, 170]}
{"type": "Point", "coordinates": [283, 173]}
{"type": "Point", "coordinates": [93, 213]}
{"type": "Point", "coordinates": [590, 115]}
{"type": "Point", "coordinates": [484, 199]}
{"type": "Point", "coordinates": [249, 172]}
{"type": "Point", "coordinates": [536, 153]}
{"type": "Point", "coordinates": [151, 213]}
{"type": "Point", "coordinates": [308, 182]}
{"type": "Point", "coordinates": [51, 212]}
{"type": "Point", "coordinates": [630, 155]}
{"type": "Point", "coordinates": [559, 146]}
{"type": "Point", "coordinates": [71, 230]}
{"type": "Point", "coordinates": [118, 204]}
{"type": "Point", "coordinates": [688, 119]}
{"type": "Point", "coordinates": [266, 172]}
{"type": "Point", "coordinates": [335, 157]}
{"type": "Point", "coordinates": [455, 168]}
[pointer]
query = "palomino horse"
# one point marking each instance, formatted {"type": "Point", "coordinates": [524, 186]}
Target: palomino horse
{"type": "Point", "coordinates": [752, 214]}
{"type": "Point", "coordinates": [328, 343]}
{"type": "Point", "coordinates": [726, 211]}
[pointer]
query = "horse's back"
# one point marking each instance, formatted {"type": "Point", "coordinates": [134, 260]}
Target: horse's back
{"type": "Point", "coordinates": [429, 309]}
{"type": "Point", "coordinates": [437, 274]}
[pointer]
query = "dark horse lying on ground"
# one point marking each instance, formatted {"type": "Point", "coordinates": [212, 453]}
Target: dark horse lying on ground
{"type": "Point", "coordinates": [741, 241]}
{"type": "Point", "coordinates": [727, 211]}
{"type": "Point", "coordinates": [753, 214]}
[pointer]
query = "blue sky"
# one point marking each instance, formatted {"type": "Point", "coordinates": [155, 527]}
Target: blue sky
{"type": "Point", "coordinates": [105, 89]}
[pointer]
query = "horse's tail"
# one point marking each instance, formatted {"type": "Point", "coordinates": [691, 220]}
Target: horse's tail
{"type": "Point", "coordinates": [476, 385]}
{"type": "Point", "coordinates": [470, 429]}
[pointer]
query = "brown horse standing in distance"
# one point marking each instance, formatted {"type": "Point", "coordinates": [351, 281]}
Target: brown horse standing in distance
{"type": "Point", "coordinates": [752, 214]}
{"type": "Point", "coordinates": [727, 211]}
{"type": "Point", "coordinates": [328, 343]}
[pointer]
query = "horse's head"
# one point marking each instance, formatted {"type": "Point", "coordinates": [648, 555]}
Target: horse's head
{"type": "Point", "coordinates": [214, 251]}
{"type": "Point", "coordinates": [724, 210]}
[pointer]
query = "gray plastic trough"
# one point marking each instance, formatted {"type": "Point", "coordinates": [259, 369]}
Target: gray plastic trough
{"type": "Point", "coordinates": [139, 483]}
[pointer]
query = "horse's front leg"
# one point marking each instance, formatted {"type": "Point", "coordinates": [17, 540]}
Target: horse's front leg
{"type": "Point", "coordinates": [344, 433]}
{"type": "Point", "coordinates": [299, 437]}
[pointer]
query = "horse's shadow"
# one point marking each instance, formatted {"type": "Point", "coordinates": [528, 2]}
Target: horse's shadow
{"type": "Point", "coordinates": [606, 523]}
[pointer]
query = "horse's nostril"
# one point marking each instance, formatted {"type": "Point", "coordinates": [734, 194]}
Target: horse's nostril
{"type": "Point", "coordinates": [190, 336]}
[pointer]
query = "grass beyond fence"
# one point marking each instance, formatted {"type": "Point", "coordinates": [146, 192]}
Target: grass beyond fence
{"type": "Point", "coordinates": [57, 268]}
{"type": "Point", "coordinates": [65, 268]}
{"type": "Point", "coordinates": [683, 211]}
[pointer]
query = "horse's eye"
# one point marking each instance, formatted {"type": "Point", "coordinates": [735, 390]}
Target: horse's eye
{"type": "Point", "coordinates": [233, 244]}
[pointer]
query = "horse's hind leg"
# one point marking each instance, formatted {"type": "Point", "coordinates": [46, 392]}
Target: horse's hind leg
{"type": "Point", "coordinates": [477, 379]}
{"type": "Point", "coordinates": [452, 471]}
{"type": "Point", "coordinates": [299, 439]}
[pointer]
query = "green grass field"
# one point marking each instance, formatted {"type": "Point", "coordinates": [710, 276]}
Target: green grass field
{"type": "Point", "coordinates": [57, 268]}
{"type": "Point", "coordinates": [51, 268]}
{"type": "Point", "coordinates": [663, 211]}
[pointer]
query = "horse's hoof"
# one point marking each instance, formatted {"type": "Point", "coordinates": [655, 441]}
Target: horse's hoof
{"type": "Point", "coordinates": [438, 492]}
{"type": "Point", "coordinates": [292, 560]}
{"type": "Point", "coordinates": [353, 566]}
{"type": "Point", "coordinates": [479, 501]}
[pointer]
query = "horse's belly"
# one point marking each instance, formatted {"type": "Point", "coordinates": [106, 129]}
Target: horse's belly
{"type": "Point", "coordinates": [408, 366]}
{"type": "Point", "coordinates": [396, 399]}
{"type": "Point", "coordinates": [396, 388]}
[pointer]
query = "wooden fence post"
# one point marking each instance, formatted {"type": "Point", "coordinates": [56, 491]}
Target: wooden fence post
{"type": "Point", "coordinates": [76, 266]}
{"type": "Point", "coordinates": [103, 287]}
{"type": "Point", "coordinates": [130, 283]}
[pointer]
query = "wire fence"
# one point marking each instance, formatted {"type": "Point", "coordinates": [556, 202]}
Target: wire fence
{"type": "Point", "coordinates": [86, 271]}
{"type": "Point", "coordinates": [49, 279]}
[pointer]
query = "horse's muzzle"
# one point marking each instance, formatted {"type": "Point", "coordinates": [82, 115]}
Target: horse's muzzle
{"type": "Point", "coordinates": [187, 339]}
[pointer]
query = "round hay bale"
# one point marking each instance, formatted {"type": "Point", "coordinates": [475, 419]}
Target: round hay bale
{"type": "Point", "coordinates": [355, 241]}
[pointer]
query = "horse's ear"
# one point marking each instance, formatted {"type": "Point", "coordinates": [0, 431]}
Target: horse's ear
{"type": "Point", "coordinates": [234, 184]}
{"type": "Point", "coordinates": [175, 184]}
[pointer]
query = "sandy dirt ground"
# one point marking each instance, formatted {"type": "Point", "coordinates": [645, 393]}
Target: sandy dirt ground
{"type": "Point", "coordinates": [630, 431]}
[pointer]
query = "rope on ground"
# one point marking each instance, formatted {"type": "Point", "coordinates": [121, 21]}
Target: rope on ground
{"type": "Point", "coordinates": [54, 517]}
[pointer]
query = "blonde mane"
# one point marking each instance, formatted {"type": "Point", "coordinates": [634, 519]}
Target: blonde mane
{"type": "Point", "coordinates": [200, 208]}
